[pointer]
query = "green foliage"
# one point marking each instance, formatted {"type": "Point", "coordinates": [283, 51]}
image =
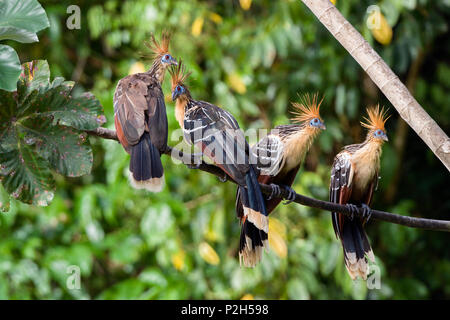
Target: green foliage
{"type": "Point", "coordinates": [20, 20]}
{"type": "Point", "coordinates": [40, 130]}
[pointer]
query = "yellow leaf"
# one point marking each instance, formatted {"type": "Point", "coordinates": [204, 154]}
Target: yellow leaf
{"type": "Point", "coordinates": [236, 83]}
{"type": "Point", "coordinates": [208, 253]}
{"type": "Point", "coordinates": [137, 67]}
{"type": "Point", "coordinates": [277, 244]}
{"type": "Point", "coordinates": [215, 17]}
{"type": "Point", "coordinates": [333, 1]}
{"type": "Point", "coordinates": [277, 226]}
{"type": "Point", "coordinates": [379, 27]}
{"type": "Point", "coordinates": [277, 236]}
{"type": "Point", "coordinates": [211, 235]}
{"type": "Point", "coordinates": [197, 26]}
{"type": "Point", "coordinates": [245, 4]}
{"type": "Point", "coordinates": [178, 260]}
{"type": "Point", "coordinates": [247, 296]}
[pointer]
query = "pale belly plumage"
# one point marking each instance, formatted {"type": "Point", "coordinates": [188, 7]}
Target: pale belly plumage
{"type": "Point", "coordinates": [366, 166]}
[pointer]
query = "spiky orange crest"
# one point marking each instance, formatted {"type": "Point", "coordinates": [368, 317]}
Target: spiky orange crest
{"type": "Point", "coordinates": [307, 109]}
{"type": "Point", "coordinates": [179, 74]}
{"type": "Point", "coordinates": [377, 118]}
{"type": "Point", "coordinates": [159, 48]}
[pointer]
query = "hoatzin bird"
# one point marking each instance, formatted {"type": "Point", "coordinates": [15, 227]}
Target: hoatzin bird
{"type": "Point", "coordinates": [280, 153]}
{"type": "Point", "coordinates": [217, 134]}
{"type": "Point", "coordinates": [354, 177]}
{"type": "Point", "coordinates": [140, 118]}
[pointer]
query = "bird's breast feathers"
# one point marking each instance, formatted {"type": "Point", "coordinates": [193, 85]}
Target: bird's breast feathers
{"type": "Point", "coordinates": [366, 162]}
{"type": "Point", "coordinates": [296, 147]}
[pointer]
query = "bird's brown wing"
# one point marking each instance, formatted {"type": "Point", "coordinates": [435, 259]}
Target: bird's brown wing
{"type": "Point", "coordinates": [130, 104]}
{"type": "Point", "coordinates": [157, 116]}
{"type": "Point", "coordinates": [342, 173]}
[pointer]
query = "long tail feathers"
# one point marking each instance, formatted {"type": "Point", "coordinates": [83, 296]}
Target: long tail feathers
{"type": "Point", "coordinates": [356, 248]}
{"type": "Point", "coordinates": [255, 222]}
{"type": "Point", "coordinates": [146, 170]}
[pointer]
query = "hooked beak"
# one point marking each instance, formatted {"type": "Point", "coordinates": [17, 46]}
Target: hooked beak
{"type": "Point", "coordinates": [384, 137]}
{"type": "Point", "coordinates": [174, 95]}
{"type": "Point", "coordinates": [322, 126]}
{"type": "Point", "coordinates": [173, 61]}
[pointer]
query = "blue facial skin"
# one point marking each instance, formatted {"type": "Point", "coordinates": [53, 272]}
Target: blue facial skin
{"type": "Point", "coordinates": [380, 134]}
{"type": "Point", "coordinates": [167, 58]}
{"type": "Point", "coordinates": [177, 92]}
{"type": "Point", "coordinates": [317, 123]}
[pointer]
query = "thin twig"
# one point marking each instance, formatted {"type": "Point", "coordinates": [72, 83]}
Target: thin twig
{"type": "Point", "coordinates": [422, 223]}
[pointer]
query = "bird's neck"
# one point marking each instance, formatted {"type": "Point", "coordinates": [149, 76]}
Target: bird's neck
{"type": "Point", "coordinates": [180, 109]}
{"type": "Point", "coordinates": [367, 162]}
{"type": "Point", "coordinates": [157, 70]}
{"type": "Point", "coordinates": [297, 145]}
{"type": "Point", "coordinates": [370, 152]}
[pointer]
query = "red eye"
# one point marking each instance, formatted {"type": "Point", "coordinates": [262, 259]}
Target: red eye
{"type": "Point", "coordinates": [167, 57]}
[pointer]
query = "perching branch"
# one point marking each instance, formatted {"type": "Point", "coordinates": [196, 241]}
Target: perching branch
{"type": "Point", "coordinates": [380, 73]}
{"type": "Point", "coordinates": [430, 224]}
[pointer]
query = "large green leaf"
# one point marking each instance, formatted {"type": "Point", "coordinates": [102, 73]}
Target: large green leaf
{"type": "Point", "coordinates": [23, 14]}
{"type": "Point", "coordinates": [26, 175]}
{"type": "Point", "coordinates": [35, 74]}
{"type": "Point", "coordinates": [66, 149]}
{"type": "Point", "coordinates": [54, 100]}
{"type": "Point", "coordinates": [39, 131]}
{"type": "Point", "coordinates": [9, 68]}
{"type": "Point", "coordinates": [20, 35]}
{"type": "Point", "coordinates": [19, 21]}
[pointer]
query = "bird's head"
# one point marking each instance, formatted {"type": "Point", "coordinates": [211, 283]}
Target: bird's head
{"type": "Point", "coordinates": [160, 50]}
{"type": "Point", "coordinates": [375, 123]}
{"type": "Point", "coordinates": [179, 76]}
{"type": "Point", "coordinates": [307, 112]}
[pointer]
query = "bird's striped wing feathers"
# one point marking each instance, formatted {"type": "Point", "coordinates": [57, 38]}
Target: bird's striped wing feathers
{"type": "Point", "coordinates": [341, 186]}
{"type": "Point", "coordinates": [268, 153]}
{"type": "Point", "coordinates": [217, 134]}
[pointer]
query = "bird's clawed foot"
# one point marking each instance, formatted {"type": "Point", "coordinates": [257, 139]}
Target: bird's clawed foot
{"type": "Point", "coordinates": [224, 178]}
{"type": "Point", "coordinates": [194, 165]}
{"type": "Point", "coordinates": [276, 191]}
{"type": "Point", "coordinates": [353, 209]}
{"type": "Point", "coordinates": [367, 212]}
{"type": "Point", "coordinates": [291, 196]}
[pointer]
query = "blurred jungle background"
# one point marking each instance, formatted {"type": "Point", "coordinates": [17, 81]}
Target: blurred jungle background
{"type": "Point", "coordinates": [251, 58]}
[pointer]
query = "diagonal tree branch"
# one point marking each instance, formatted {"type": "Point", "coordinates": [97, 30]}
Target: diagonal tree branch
{"type": "Point", "coordinates": [380, 73]}
{"type": "Point", "coordinates": [430, 224]}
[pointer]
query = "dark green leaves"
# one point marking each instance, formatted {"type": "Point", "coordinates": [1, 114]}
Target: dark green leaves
{"type": "Point", "coordinates": [40, 130]}
{"type": "Point", "coordinates": [27, 176]}
{"type": "Point", "coordinates": [19, 21]}
{"type": "Point", "coordinates": [65, 148]}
